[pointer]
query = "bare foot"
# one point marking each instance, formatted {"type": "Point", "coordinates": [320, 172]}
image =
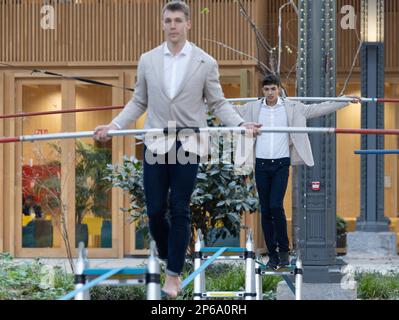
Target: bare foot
{"type": "Point", "coordinates": [172, 286]}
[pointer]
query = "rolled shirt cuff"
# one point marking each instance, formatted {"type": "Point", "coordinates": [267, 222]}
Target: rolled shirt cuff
{"type": "Point", "coordinates": [118, 126]}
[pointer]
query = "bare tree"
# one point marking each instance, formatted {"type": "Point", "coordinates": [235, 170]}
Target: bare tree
{"type": "Point", "coordinates": [273, 63]}
{"type": "Point", "coordinates": [47, 186]}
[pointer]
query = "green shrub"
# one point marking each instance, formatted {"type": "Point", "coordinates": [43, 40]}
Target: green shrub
{"type": "Point", "coordinates": [219, 277]}
{"type": "Point", "coordinates": [31, 281]}
{"type": "Point", "coordinates": [218, 201]}
{"type": "Point", "coordinates": [220, 197]}
{"type": "Point", "coordinates": [118, 293]}
{"type": "Point", "coordinates": [377, 286]}
{"type": "Point", "coordinates": [27, 281]}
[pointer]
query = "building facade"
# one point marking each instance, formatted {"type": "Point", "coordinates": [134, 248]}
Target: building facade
{"type": "Point", "coordinates": [103, 40]}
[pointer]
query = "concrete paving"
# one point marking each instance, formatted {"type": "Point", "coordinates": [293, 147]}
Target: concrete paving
{"type": "Point", "coordinates": [347, 288]}
{"type": "Point", "coordinates": [382, 265]}
{"type": "Point", "coordinates": [93, 263]}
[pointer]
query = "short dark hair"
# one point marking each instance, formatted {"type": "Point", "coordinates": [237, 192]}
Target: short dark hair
{"type": "Point", "coordinates": [177, 6]}
{"type": "Point", "coordinates": [271, 79]}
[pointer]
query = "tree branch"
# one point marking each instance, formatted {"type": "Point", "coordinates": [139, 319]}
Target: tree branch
{"type": "Point", "coordinates": [265, 67]}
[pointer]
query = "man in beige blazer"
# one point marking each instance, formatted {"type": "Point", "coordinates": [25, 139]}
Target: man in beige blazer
{"type": "Point", "coordinates": [175, 83]}
{"type": "Point", "coordinates": [274, 153]}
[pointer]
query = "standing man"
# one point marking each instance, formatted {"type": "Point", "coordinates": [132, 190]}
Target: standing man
{"type": "Point", "coordinates": [172, 82]}
{"type": "Point", "coordinates": [274, 153]}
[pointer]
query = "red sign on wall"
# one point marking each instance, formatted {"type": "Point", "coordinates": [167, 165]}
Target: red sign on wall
{"type": "Point", "coordinates": [41, 131]}
{"type": "Point", "coordinates": [315, 186]}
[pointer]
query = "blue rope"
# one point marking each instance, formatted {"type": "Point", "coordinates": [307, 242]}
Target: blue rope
{"type": "Point", "coordinates": [261, 264]}
{"type": "Point", "coordinates": [289, 283]}
{"type": "Point", "coordinates": [91, 284]}
{"type": "Point", "coordinates": [125, 271]}
{"type": "Point", "coordinates": [112, 272]}
{"type": "Point", "coordinates": [203, 267]}
{"type": "Point", "coordinates": [377, 151]}
{"type": "Point", "coordinates": [228, 249]}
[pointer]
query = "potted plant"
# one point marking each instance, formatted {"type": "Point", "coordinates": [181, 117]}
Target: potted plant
{"type": "Point", "coordinates": [219, 200]}
{"type": "Point", "coordinates": [222, 195]}
{"type": "Point", "coordinates": [41, 184]}
{"type": "Point", "coordinates": [129, 177]}
{"type": "Point", "coordinates": [92, 190]}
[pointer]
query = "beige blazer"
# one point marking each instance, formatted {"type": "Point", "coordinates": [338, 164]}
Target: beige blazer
{"type": "Point", "coordinates": [297, 113]}
{"type": "Point", "coordinates": [200, 87]}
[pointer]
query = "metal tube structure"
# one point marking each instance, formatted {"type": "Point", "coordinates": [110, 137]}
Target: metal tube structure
{"type": "Point", "coordinates": [80, 280]}
{"type": "Point", "coordinates": [320, 99]}
{"type": "Point", "coordinates": [258, 284]}
{"type": "Point", "coordinates": [250, 289]}
{"type": "Point", "coordinates": [153, 279]}
{"type": "Point", "coordinates": [137, 132]}
{"type": "Point", "coordinates": [92, 283]}
{"type": "Point", "coordinates": [205, 265]}
{"type": "Point", "coordinates": [199, 283]}
{"type": "Point", "coordinates": [233, 100]}
{"type": "Point", "coordinates": [367, 131]}
{"type": "Point", "coordinates": [298, 279]}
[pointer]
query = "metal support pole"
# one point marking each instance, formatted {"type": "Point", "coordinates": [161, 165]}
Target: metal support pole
{"type": "Point", "coordinates": [372, 217]}
{"type": "Point", "coordinates": [80, 279]}
{"type": "Point", "coordinates": [314, 211]}
{"type": "Point", "coordinates": [298, 279]}
{"type": "Point", "coordinates": [258, 284]}
{"type": "Point", "coordinates": [153, 279]}
{"type": "Point", "coordinates": [250, 290]}
{"type": "Point", "coordinates": [199, 281]}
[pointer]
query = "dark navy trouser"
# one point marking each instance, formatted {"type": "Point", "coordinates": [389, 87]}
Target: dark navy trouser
{"type": "Point", "coordinates": [271, 182]}
{"type": "Point", "coordinates": [168, 189]}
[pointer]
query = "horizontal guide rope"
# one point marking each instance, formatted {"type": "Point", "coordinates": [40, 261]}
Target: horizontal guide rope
{"type": "Point", "coordinates": [190, 130]}
{"type": "Point", "coordinates": [371, 152]}
{"type": "Point", "coordinates": [235, 100]}
{"type": "Point", "coordinates": [92, 283]}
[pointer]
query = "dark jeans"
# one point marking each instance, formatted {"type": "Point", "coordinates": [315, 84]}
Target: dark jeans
{"type": "Point", "coordinates": [271, 181]}
{"type": "Point", "coordinates": [168, 189]}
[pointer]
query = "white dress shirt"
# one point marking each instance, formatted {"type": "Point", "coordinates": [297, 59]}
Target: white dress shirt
{"type": "Point", "coordinates": [273, 145]}
{"type": "Point", "coordinates": [175, 67]}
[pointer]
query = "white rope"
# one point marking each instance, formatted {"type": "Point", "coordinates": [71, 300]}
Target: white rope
{"type": "Point", "coordinates": [309, 99]}
{"type": "Point", "coordinates": [139, 132]}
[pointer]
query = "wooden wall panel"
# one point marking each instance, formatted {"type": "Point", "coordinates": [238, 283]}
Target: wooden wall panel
{"type": "Point", "coordinates": [110, 30]}
{"type": "Point", "coordinates": [1, 163]}
{"type": "Point", "coordinates": [347, 40]}
{"type": "Point", "coordinates": [120, 31]}
{"type": "Point", "coordinates": [9, 166]}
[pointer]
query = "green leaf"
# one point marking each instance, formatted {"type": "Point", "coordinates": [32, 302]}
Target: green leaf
{"type": "Point", "coordinates": [221, 203]}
